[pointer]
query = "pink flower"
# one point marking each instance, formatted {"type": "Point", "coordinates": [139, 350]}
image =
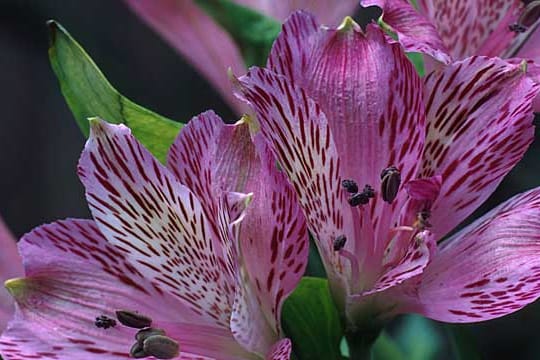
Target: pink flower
{"type": "Point", "coordinates": [10, 266]}
{"type": "Point", "coordinates": [208, 47]}
{"type": "Point", "coordinates": [176, 244]}
{"type": "Point", "coordinates": [386, 164]}
{"type": "Point", "coordinates": [506, 29]}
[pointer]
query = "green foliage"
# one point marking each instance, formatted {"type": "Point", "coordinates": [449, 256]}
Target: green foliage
{"type": "Point", "coordinates": [420, 338]}
{"type": "Point", "coordinates": [311, 321]}
{"type": "Point", "coordinates": [253, 32]}
{"type": "Point", "coordinates": [462, 343]}
{"type": "Point", "coordinates": [418, 61]}
{"type": "Point", "coordinates": [89, 94]}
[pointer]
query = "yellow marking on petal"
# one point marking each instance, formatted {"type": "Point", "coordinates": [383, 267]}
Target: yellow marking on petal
{"type": "Point", "coordinates": [251, 122]}
{"type": "Point", "coordinates": [348, 24]}
{"type": "Point", "coordinates": [523, 66]}
{"type": "Point", "coordinates": [16, 287]}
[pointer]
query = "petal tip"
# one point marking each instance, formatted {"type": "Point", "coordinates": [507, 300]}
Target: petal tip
{"type": "Point", "coordinates": [15, 287]}
{"type": "Point", "coordinates": [348, 24]}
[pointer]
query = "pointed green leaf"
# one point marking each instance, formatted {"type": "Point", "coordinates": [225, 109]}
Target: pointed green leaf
{"type": "Point", "coordinates": [311, 321]}
{"type": "Point", "coordinates": [253, 32]}
{"type": "Point", "coordinates": [89, 94]}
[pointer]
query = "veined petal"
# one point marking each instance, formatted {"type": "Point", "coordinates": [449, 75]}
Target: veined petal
{"type": "Point", "coordinates": [329, 12]}
{"type": "Point", "coordinates": [157, 222]}
{"type": "Point", "coordinates": [10, 267]}
{"type": "Point", "coordinates": [479, 126]}
{"type": "Point", "coordinates": [281, 350]}
{"type": "Point", "coordinates": [415, 32]}
{"type": "Point", "coordinates": [73, 276]}
{"type": "Point", "coordinates": [375, 111]}
{"type": "Point", "coordinates": [489, 269]}
{"type": "Point", "coordinates": [473, 27]}
{"type": "Point", "coordinates": [300, 138]}
{"type": "Point", "coordinates": [211, 157]}
{"type": "Point", "coordinates": [198, 38]}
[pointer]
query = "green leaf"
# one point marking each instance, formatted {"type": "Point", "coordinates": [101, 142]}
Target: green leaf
{"type": "Point", "coordinates": [253, 32]}
{"type": "Point", "coordinates": [420, 338]}
{"type": "Point", "coordinates": [89, 94]}
{"type": "Point", "coordinates": [386, 348]}
{"type": "Point", "coordinates": [311, 321]}
{"type": "Point", "coordinates": [418, 61]}
{"type": "Point", "coordinates": [462, 343]}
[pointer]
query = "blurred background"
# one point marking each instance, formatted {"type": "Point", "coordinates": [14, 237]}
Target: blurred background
{"type": "Point", "coordinates": [40, 142]}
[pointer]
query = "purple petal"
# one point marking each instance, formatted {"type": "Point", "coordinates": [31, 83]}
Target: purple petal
{"type": "Point", "coordinates": [157, 222]}
{"type": "Point", "coordinates": [489, 269]}
{"type": "Point", "coordinates": [74, 276]}
{"type": "Point", "coordinates": [473, 27]}
{"type": "Point", "coordinates": [415, 32]}
{"type": "Point", "coordinates": [211, 157]}
{"type": "Point", "coordinates": [374, 126]}
{"type": "Point", "coordinates": [280, 351]}
{"type": "Point", "coordinates": [198, 38]}
{"type": "Point", "coordinates": [473, 157]}
{"type": "Point", "coordinates": [10, 267]}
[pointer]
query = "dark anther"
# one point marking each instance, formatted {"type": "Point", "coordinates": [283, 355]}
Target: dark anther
{"type": "Point", "coordinates": [339, 242]}
{"type": "Point", "coordinates": [161, 347]}
{"type": "Point", "coordinates": [390, 182]}
{"type": "Point", "coordinates": [530, 14]}
{"type": "Point", "coordinates": [104, 322]}
{"type": "Point", "coordinates": [137, 351]}
{"type": "Point", "coordinates": [350, 185]}
{"type": "Point", "coordinates": [133, 319]}
{"type": "Point", "coordinates": [422, 219]}
{"type": "Point", "coordinates": [363, 197]}
{"type": "Point", "coordinates": [145, 333]}
{"type": "Point", "coordinates": [517, 28]}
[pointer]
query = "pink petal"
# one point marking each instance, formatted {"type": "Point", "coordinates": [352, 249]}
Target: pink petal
{"type": "Point", "coordinates": [415, 32]}
{"type": "Point", "coordinates": [300, 138]}
{"type": "Point", "coordinates": [280, 351]}
{"type": "Point", "coordinates": [329, 12]}
{"type": "Point", "coordinates": [479, 127]}
{"type": "Point", "coordinates": [157, 222]}
{"type": "Point", "coordinates": [73, 276]}
{"type": "Point", "coordinates": [211, 157]}
{"type": "Point", "coordinates": [198, 38]}
{"type": "Point", "coordinates": [373, 126]}
{"type": "Point", "coordinates": [489, 269]}
{"type": "Point", "coordinates": [10, 267]}
{"type": "Point", "coordinates": [531, 48]}
{"type": "Point", "coordinates": [472, 27]}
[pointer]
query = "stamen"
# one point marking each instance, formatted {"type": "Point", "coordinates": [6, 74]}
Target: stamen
{"type": "Point", "coordinates": [143, 334]}
{"type": "Point", "coordinates": [363, 197]}
{"type": "Point", "coordinates": [137, 351]}
{"type": "Point", "coordinates": [355, 266]}
{"type": "Point", "coordinates": [161, 347]}
{"type": "Point", "coordinates": [517, 28]}
{"type": "Point", "coordinates": [390, 182]}
{"type": "Point", "coordinates": [530, 15]}
{"type": "Point", "coordinates": [133, 319]}
{"type": "Point", "coordinates": [104, 322]}
{"type": "Point", "coordinates": [350, 185]}
{"type": "Point", "coordinates": [422, 220]}
{"type": "Point", "coordinates": [339, 242]}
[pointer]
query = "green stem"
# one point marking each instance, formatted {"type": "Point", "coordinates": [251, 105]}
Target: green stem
{"type": "Point", "coordinates": [360, 344]}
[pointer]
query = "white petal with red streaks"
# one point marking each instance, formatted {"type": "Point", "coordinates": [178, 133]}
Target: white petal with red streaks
{"type": "Point", "coordinates": [489, 269]}
{"type": "Point", "coordinates": [157, 222]}
{"type": "Point", "coordinates": [73, 276]}
{"type": "Point", "coordinates": [479, 127]}
{"type": "Point", "coordinates": [300, 138]}
{"type": "Point", "coordinates": [473, 27]}
{"type": "Point", "coordinates": [281, 350]}
{"type": "Point", "coordinates": [415, 32]}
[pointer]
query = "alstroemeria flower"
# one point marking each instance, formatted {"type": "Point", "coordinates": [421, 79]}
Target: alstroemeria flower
{"type": "Point", "coordinates": [174, 243]}
{"type": "Point", "coordinates": [385, 165]}
{"type": "Point", "coordinates": [208, 47]}
{"type": "Point", "coordinates": [507, 29]}
{"type": "Point", "coordinates": [10, 266]}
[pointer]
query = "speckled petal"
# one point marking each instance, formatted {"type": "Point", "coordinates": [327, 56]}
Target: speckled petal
{"type": "Point", "coordinates": [157, 222]}
{"type": "Point", "coordinates": [489, 269]}
{"type": "Point", "coordinates": [415, 32]}
{"type": "Point", "coordinates": [10, 267]}
{"type": "Point", "coordinates": [280, 351]}
{"type": "Point", "coordinates": [479, 127]}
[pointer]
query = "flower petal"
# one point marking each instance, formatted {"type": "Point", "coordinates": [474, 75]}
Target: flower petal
{"type": "Point", "coordinates": [211, 157]}
{"type": "Point", "coordinates": [415, 32]}
{"type": "Point", "coordinates": [489, 269]}
{"type": "Point", "coordinates": [281, 350]}
{"type": "Point", "coordinates": [374, 126]}
{"type": "Point", "coordinates": [329, 12]}
{"type": "Point", "coordinates": [479, 127]}
{"type": "Point", "coordinates": [157, 222]}
{"type": "Point", "coordinates": [10, 267]}
{"type": "Point", "coordinates": [473, 27]}
{"type": "Point", "coordinates": [300, 138]}
{"type": "Point", "coordinates": [198, 38]}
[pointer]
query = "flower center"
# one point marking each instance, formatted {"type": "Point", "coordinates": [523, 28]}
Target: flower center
{"type": "Point", "coordinates": [358, 198]}
{"type": "Point", "coordinates": [149, 341]}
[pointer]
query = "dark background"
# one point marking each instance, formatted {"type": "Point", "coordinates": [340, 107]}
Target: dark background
{"type": "Point", "coordinates": [40, 142]}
